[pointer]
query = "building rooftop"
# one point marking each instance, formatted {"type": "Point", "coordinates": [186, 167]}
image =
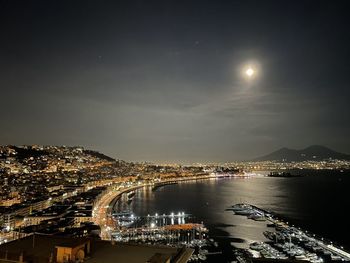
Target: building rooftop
{"type": "Point", "coordinates": [133, 253]}
{"type": "Point", "coordinates": [39, 249]}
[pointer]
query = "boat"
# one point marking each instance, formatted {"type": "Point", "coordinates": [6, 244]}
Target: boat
{"type": "Point", "coordinates": [269, 235]}
{"type": "Point", "coordinates": [318, 260]}
{"type": "Point", "coordinates": [336, 257]}
{"type": "Point", "coordinates": [256, 246]}
{"type": "Point", "coordinates": [257, 217]}
{"type": "Point", "coordinates": [300, 257]}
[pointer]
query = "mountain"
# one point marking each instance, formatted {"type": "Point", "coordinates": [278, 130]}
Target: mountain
{"type": "Point", "coordinates": [314, 152]}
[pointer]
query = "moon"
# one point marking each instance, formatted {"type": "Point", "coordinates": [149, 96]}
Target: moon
{"type": "Point", "coordinates": [249, 72]}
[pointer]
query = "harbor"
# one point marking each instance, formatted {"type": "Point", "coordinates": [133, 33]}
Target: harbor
{"type": "Point", "coordinates": [226, 241]}
{"type": "Point", "coordinates": [286, 242]}
{"type": "Point", "coordinates": [172, 230]}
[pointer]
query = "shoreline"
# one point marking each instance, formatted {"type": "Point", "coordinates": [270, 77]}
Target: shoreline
{"type": "Point", "coordinates": [112, 195]}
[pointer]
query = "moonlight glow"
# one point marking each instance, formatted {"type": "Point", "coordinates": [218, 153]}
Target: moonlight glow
{"type": "Point", "coordinates": [249, 72]}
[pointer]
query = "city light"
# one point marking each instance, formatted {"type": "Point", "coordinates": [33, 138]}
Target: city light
{"type": "Point", "coordinates": [106, 191]}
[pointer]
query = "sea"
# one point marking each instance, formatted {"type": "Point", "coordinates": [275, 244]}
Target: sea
{"type": "Point", "coordinates": [317, 202]}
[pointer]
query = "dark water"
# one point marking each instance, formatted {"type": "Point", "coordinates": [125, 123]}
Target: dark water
{"type": "Point", "coordinates": [318, 203]}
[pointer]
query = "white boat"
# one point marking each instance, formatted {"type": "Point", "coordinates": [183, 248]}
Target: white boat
{"type": "Point", "coordinates": [336, 257]}
{"type": "Point", "coordinates": [300, 257]}
{"type": "Point", "coordinates": [257, 217]}
{"type": "Point", "coordinates": [257, 246]}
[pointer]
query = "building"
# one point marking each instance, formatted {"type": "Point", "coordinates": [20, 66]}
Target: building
{"type": "Point", "coordinates": [56, 211]}
{"type": "Point", "coordinates": [54, 249]}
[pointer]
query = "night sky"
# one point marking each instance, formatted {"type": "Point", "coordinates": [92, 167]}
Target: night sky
{"type": "Point", "coordinates": [162, 80]}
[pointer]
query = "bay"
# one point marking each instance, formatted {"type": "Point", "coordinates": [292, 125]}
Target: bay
{"type": "Point", "coordinates": [318, 202]}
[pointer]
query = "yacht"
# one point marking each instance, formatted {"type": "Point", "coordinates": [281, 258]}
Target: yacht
{"type": "Point", "coordinates": [336, 257]}
{"type": "Point", "coordinates": [257, 217]}
{"type": "Point", "coordinates": [300, 257]}
{"type": "Point", "coordinates": [257, 246]}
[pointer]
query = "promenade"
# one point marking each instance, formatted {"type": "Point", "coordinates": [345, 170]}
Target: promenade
{"type": "Point", "coordinates": [102, 213]}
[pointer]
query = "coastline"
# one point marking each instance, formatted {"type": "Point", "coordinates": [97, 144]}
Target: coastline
{"type": "Point", "coordinates": [104, 208]}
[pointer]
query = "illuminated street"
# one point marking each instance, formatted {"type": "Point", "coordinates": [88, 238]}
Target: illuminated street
{"type": "Point", "coordinates": [102, 211]}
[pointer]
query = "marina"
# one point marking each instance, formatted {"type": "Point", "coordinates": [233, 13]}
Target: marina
{"type": "Point", "coordinates": [287, 242]}
{"type": "Point", "coordinates": [164, 229]}
{"type": "Point", "coordinates": [173, 229]}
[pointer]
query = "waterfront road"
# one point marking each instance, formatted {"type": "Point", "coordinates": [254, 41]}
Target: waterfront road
{"type": "Point", "coordinates": [102, 212]}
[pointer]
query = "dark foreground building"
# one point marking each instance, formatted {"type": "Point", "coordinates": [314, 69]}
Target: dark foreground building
{"type": "Point", "coordinates": [44, 249]}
